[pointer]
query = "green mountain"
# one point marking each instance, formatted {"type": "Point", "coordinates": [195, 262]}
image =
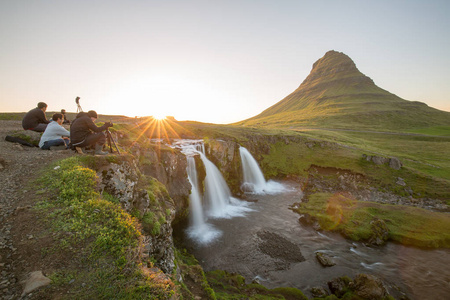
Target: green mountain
{"type": "Point", "coordinates": [337, 95]}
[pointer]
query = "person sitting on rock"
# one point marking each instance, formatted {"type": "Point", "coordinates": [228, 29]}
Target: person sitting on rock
{"type": "Point", "coordinates": [84, 133]}
{"type": "Point", "coordinates": [35, 119]}
{"type": "Point", "coordinates": [55, 136]}
{"type": "Point", "coordinates": [66, 121]}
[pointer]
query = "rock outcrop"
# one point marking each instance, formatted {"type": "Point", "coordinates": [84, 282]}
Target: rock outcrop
{"type": "Point", "coordinates": [368, 287]}
{"type": "Point", "coordinates": [392, 162]}
{"type": "Point", "coordinates": [225, 155]}
{"type": "Point", "coordinates": [168, 166]}
{"type": "Point", "coordinates": [364, 286]}
{"type": "Point", "coordinates": [120, 178]}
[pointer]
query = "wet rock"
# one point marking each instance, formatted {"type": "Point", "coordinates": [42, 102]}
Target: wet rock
{"type": "Point", "coordinates": [308, 220]}
{"type": "Point", "coordinates": [324, 259]}
{"type": "Point", "coordinates": [368, 287]}
{"type": "Point", "coordinates": [339, 286]}
{"type": "Point", "coordinates": [319, 292]}
{"type": "Point", "coordinates": [35, 281]}
{"type": "Point", "coordinates": [279, 247]}
{"type": "Point", "coordinates": [380, 232]}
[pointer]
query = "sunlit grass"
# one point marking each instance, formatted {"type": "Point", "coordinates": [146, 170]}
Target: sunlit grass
{"type": "Point", "coordinates": [406, 225]}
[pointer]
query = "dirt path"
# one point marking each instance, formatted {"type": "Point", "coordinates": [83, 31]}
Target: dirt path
{"type": "Point", "coordinates": [19, 166]}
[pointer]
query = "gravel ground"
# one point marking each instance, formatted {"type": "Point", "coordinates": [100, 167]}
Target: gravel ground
{"type": "Point", "coordinates": [18, 167]}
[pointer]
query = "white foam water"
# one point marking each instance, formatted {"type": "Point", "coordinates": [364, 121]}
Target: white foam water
{"type": "Point", "coordinates": [216, 203]}
{"type": "Point", "coordinates": [254, 181]}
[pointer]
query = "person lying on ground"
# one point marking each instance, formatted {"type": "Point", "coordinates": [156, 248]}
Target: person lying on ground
{"type": "Point", "coordinates": [35, 119]}
{"type": "Point", "coordinates": [55, 135]}
{"type": "Point", "coordinates": [84, 133]}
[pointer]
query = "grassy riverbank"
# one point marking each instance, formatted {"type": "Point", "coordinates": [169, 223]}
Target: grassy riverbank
{"type": "Point", "coordinates": [406, 225]}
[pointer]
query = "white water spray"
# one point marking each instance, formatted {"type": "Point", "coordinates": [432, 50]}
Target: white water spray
{"type": "Point", "coordinates": [195, 202]}
{"type": "Point", "coordinates": [218, 196]}
{"type": "Point", "coordinates": [218, 201]}
{"type": "Point", "coordinates": [254, 181]}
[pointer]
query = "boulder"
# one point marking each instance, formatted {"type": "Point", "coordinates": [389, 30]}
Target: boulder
{"type": "Point", "coordinates": [324, 259]}
{"type": "Point", "coordinates": [339, 286]}
{"type": "Point", "coordinates": [319, 292]}
{"type": "Point", "coordinates": [378, 160]}
{"type": "Point", "coordinates": [368, 287]}
{"type": "Point", "coordinates": [395, 163]}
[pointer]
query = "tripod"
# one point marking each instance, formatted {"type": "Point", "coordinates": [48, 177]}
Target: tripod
{"type": "Point", "coordinates": [77, 101]}
{"type": "Point", "coordinates": [109, 139]}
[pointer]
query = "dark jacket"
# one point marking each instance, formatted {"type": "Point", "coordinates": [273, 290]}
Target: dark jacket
{"type": "Point", "coordinates": [33, 118]}
{"type": "Point", "coordinates": [83, 126]}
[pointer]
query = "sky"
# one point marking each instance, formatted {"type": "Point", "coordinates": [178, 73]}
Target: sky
{"type": "Point", "coordinates": [212, 61]}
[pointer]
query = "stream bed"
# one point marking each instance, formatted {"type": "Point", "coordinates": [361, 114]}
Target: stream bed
{"type": "Point", "coordinates": [270, 245]}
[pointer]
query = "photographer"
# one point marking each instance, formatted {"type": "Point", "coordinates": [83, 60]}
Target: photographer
{"type": "Point", "coordinates": [84, 133]}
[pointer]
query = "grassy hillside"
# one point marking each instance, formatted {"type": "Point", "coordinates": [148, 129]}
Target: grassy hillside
{"type": "Point", "coordinates": [337, 95]}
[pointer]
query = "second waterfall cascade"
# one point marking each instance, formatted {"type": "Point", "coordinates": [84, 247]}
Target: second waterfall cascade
{"type": "Point", "coordinates": [254, 181]}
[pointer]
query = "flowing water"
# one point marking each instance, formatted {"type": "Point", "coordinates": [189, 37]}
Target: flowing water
{"type": "Point", "coordinates": [421, 274]}
{"type": "Point", "coordinates": [228, 234]}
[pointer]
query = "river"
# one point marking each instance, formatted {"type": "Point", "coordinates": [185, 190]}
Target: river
{"type": "Point", "coordinates": [420, 274]}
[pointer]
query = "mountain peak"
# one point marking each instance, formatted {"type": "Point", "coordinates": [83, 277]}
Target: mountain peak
{"type": "Point", "coordinates": [335, 65]}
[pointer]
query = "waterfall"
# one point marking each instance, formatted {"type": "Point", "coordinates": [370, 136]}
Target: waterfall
{"type": "Point", "coordinates": [217, 193]}
{"type": "Point", "coordinates": [217, 202]}
{"type": "Point", "coordinates": [254, 181]}
{"type": "Point", "coordinates": [199, 230]}
{"type": "Point", "coordinates": [195, 202]}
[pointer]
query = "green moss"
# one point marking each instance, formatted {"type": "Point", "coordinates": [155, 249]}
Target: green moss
{"type": "Point", "coordinates": [100, 237]}
{"type": "Point", "coordinates": [233, 286]}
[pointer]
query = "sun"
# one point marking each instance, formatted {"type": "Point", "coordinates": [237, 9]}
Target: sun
{"type": "Point", "coordinates": [159, 116]}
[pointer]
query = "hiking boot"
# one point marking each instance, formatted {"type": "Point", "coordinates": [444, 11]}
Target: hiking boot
{"type": "Point", "coordinates": [79, 150]}
{"type": "Point", "coordinates": [98, 150]}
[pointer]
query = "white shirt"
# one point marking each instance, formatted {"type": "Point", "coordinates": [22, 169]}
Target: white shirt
{"type": "Point", "coordinates": [53, 131]}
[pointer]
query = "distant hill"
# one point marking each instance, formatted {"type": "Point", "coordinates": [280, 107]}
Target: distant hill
{"type": "Point", "coordinates": [337, 95]}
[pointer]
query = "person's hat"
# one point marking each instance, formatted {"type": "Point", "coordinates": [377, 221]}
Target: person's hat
{"type": "Point", "coordinates": [92, 114]}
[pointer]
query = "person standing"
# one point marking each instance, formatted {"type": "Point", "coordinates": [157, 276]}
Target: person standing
{"type": "Point", "coordinates": [84, 133]}
{"type": "Point", "coordinates": [55, 135]}
{"type": "Point", "coordinates": [35, 119]}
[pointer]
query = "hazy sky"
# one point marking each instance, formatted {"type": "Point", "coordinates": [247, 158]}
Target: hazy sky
{"type": "Point", "coordinates": [212, 61]}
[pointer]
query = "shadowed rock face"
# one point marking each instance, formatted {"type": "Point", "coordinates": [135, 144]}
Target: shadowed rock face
{"type": "Point", "coordinates": [169, 167]}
